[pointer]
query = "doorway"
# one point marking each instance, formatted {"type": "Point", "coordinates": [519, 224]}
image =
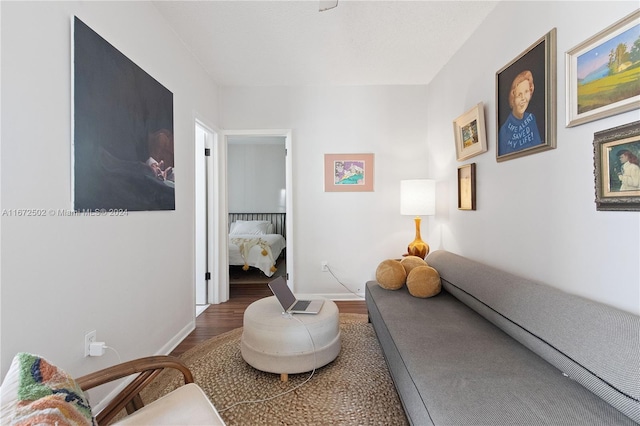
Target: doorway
{"type": "Point", "coordinates": [250, 152]}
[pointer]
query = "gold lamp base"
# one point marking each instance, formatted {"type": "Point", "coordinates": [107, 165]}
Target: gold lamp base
{"type": "Point", "coordinates": [418, 247]}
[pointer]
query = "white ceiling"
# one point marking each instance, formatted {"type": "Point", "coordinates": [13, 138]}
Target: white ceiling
{"type": "Point", "coordinates": [291, 43]}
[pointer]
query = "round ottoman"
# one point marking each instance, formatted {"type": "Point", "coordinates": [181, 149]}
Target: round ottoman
{"type": "Point", "coordinates": [281, 343]}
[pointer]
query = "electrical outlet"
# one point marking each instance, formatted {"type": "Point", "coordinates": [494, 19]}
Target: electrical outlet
{"type": "Point", "coordinates": [324, 266]}
{"type": "Point", "coordinates": [89, 338]}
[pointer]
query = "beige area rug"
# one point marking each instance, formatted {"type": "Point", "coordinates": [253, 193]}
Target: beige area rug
{"type": "Point", "coordinates": [354, 389]}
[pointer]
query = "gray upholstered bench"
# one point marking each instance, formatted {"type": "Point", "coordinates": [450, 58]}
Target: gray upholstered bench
{"type": "Point", "coordinates": [497, 349]}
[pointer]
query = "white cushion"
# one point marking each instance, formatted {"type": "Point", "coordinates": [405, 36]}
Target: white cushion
{"type": "Point", "coordinates": [249, 227]}
{"type": "Point", "coordinates": [187, 405]}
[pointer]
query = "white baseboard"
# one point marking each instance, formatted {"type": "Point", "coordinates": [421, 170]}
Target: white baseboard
{"type": "Point", "coordinates": [177, 339]}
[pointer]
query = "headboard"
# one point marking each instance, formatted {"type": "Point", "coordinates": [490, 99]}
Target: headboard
{"type": "Point", "coordinates": [279, 220]}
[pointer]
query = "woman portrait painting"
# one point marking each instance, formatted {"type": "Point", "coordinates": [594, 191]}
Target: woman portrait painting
{"type": "Point", "coordinates": [625, 168]}
{"type": "Point", "coordinates": [525, 101]}
{"type": "Point", "coordinates": [520, 130]}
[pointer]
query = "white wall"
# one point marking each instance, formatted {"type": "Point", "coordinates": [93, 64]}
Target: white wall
{"type": "Point", "coordinates": [354, 231]}
{"type": "Point", "coordinates": [256, 174]}
{"type": "Point", "coordinates": [535, 215]}
{"type": "Point", "coordinates": [130, 278]}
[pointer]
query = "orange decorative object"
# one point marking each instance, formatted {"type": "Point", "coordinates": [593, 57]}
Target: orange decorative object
{"type": "Point", "coordinates": [418, 247]}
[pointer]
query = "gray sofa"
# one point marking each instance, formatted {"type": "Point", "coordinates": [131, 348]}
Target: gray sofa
{"type": "Point", "coordinates": [496, 349]}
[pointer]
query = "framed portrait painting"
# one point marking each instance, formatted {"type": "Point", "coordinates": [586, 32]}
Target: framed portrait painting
{"type": "Point", "coordinates": [526, 101]}
{"type": "Point", "coordinates": [617, 172]}
{"type": "Point", "coordinates": [470, 134]}
{"type": "Point", "coordinates": [467, 187]}
{"type": "Point", "coordinates": [603, 76]}
{"type": "Point", "coordinates": [348, 172]}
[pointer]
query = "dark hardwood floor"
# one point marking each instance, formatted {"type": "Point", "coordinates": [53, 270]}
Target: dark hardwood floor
{"type": "Point", "coordinates": [218, 319]}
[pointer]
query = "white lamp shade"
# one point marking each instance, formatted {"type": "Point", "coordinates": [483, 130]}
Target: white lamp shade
{"type": "Point", "coordinates": [418, 197]}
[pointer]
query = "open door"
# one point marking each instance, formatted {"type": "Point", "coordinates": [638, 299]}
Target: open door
{"type": "Point", "coordinates": [211, 278]}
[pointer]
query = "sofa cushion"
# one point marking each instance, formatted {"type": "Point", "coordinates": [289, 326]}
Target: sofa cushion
{"type": "Point", "coordinates": [423, 281]}
{"type": "Point", "coordinates": [187, 405]}
{"type": "Point", "coordinates": [390, 274]}
{"type": "Point", "coordinates": [410, 262]}
{"type": "Point", "coordinates": [592, 343]}
{"type": "Point", "coordinates": [463, 370]}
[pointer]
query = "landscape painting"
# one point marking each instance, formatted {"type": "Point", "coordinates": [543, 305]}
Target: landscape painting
{"type": "Point", "coordinates": [610, 72]}
{"type": "Point", "coordinates": [604, 73]}
{"type": "Point", "coordinates": [470, 134]}
{"type": "Point", "coordinates": [123, 148]}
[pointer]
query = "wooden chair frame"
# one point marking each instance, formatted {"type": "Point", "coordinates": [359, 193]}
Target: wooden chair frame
{"type": "Point", "coordinates": [129, 398]}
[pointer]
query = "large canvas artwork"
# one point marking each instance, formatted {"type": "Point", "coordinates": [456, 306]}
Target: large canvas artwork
{"type": "Point", "coordinates": [123, 149]}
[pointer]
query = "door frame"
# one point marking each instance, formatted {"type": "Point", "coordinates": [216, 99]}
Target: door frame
{"type": "Point", "coordinates": [203, 137]}
{"type": "Point", "coordinates": [215, 176]}
{"type": "Point", "coordinates": [287, 134]}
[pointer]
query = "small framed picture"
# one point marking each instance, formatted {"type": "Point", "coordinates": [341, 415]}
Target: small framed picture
{"type": "Point", "coordinates": [602, 73]}
{"type": "Point", "coordinates": [526, 101]}
{"type": "Point", "coordinates": [467, 187]}
{"type": "Point", "coordinates": [617, 168]}
{"type": "Point", "coordinates": [470, 134]}
{"type": "Point", "coordinates": [348, 172]}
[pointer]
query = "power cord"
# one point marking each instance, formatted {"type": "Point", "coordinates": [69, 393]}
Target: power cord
{"type": "Point", "coordinates": [315, 360]}
{"type": "Point", "coordinates": [342, 284]}
{"type": "Point", "coordinates": [117, 354]}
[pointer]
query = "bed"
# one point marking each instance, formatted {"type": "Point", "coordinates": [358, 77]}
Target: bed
{"type": "Point", "coordinates": [257, 240]}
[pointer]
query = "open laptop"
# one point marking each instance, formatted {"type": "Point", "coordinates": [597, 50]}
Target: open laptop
{"type": "Point", "coordinates": [289, 302]}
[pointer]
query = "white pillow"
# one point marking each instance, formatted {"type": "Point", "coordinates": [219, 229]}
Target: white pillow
{"type": "Point", "coordinates": [249, 227]}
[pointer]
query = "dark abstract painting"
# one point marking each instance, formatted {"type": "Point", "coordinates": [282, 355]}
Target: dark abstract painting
{"type": "Point", "coordinates": [122, 132]}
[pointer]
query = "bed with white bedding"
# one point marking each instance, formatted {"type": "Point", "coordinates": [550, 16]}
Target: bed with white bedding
{"type": "Point", "coordinates": [256, 240]}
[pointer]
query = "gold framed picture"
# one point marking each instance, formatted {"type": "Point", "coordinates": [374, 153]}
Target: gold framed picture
{"type": "Point", "coordinates": [617, 168]}
{"type": "Point", "coordinates": [467, 187]}
{"type": "Point", "coordinates": [470, 134]}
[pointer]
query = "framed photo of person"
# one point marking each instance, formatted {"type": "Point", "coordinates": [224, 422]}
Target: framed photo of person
{"type": "Point", "coordinates": [467, 187]}
{"type": "Point", "coordinates": [602, 79]}
{"type": "Point", "coordinates": [526, 101]}
{"type": "Point", "coordinates": [617, 168]}
{"type": "Point", "coordinates": [348, 172]}
{"type": "Point", "coordinates": [470, 134]}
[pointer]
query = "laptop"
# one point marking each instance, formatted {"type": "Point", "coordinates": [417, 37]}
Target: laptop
{"type": "Point", "coordinates": [289, 302]}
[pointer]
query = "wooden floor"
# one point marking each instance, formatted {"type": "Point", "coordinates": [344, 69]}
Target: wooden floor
{"type": "Point", "coordinates": [218, 319]}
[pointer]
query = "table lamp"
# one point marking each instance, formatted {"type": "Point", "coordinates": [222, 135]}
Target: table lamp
{"type": "Point", "coordinates": [418, 198]}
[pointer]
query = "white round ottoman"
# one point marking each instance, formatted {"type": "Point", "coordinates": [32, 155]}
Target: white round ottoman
{"type": "Point", "coordinates": [278, 343]}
